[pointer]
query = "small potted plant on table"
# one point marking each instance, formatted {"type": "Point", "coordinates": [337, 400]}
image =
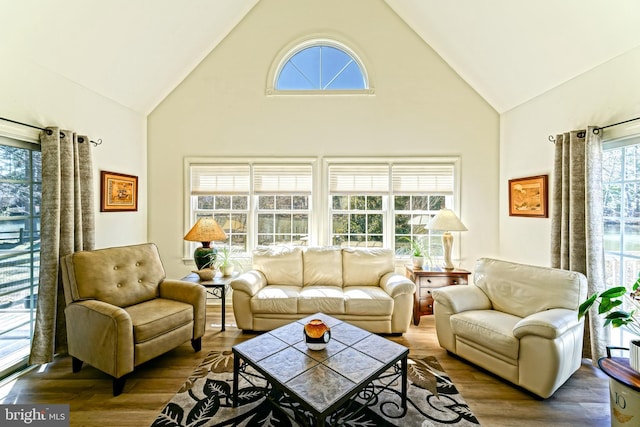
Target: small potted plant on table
{"type": "Point", "coordinates": [419, 252]}
{"type": "Point", "coordinates": [225, 261]}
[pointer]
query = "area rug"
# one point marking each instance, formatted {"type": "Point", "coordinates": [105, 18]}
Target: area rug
{"type": "Point", "coordinates": [205, 399]}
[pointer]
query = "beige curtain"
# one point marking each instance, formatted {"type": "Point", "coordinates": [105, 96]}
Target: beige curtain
{"type": "Point", "coordinates": [67, 224]}
{"type": "Point", "coordinates": [577, 228]}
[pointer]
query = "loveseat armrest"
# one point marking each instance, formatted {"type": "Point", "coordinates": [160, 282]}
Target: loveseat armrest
{"type": "Point", "coordinates": [457, 299]}
{"type": "Point", "coordinates": [189, 293]}
{"type": "Point", "coordinates": [105, 339]}
{"type": "Point", "coordinates": [250, 282]}
{"type": "Point", "coordinates": [547, 324]}
{"type": "Point", "coordinates": [396, 284]}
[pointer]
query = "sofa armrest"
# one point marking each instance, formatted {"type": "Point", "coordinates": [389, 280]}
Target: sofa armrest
{"type": "Point", "coordinates": [461, 298]}
{"type": "Point", "coordinates": [547, 324]}
{"type": "Point", "coordinates": [250, 282]}
{"type": "Point", "coordinates": [105, 327]}
{"type": "Point", "coordinates": [189, 293]}
{"type": "Point", "coordinates": [396, 284]}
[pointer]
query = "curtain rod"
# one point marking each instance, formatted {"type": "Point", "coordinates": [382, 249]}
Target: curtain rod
{"type": "Point", "coordinates": [598, 129]}
{"type": "Point", "coordinates": [95, 144]}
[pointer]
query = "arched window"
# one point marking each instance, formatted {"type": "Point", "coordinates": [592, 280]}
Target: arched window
{"type": "Point", "coordinates": [321, 65]}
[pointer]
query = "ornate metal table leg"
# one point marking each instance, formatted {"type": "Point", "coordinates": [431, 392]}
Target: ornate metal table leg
{"type": "Point", "coordinates": [236, 369]}
{"type": "Point", "coordinates": [404, 383]}
{"type": "Point", "coordinates": [223, 300]}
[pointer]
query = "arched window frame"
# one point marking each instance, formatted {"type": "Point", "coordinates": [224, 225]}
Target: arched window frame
{"type": "Point", "coordinates": [283, 58]}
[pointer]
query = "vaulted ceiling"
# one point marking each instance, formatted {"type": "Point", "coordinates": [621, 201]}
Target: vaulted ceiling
{"type": "Point", "coordinates": [137, 52]}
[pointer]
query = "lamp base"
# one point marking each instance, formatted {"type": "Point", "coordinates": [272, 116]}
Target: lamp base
{"type": "Point", "coordinates": [204, 257]}
{"type": "Point", "coordinates": [447, 244]}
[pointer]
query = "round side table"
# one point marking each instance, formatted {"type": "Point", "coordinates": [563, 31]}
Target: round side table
{"type": "Point", "coordinates": [624, 391]}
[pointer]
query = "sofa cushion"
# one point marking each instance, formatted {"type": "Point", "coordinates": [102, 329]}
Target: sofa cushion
{"type": "Point", "coordinates": [322, 266]}
{"type": "Point", "coordinates": [153, 318]}
{"type": "Point", "coordinates": [522, 290]}
{"type": "Point", "coordinates": [280, 265]}
{"type": "Point", "coordinates": [276, 299]}
{"type": "Point", "coordinates": [367, 300]}
{"type": "Point", "coordinates": [120, 276]}
{"type": "Point", "coordinates": [324, 299]}
{"type": "Point", "coordinates": [365, 267]}
{"type": "Point", "coordinates": [490, 329]}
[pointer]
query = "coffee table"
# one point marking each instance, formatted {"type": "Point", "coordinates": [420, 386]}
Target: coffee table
{"type": "Point", "coordinates": [321, 381]}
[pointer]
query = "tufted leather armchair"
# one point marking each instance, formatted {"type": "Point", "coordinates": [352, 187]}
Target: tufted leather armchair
{"type": "Point", "coordinates": [121, 311]}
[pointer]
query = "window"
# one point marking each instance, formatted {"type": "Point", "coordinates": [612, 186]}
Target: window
{"type": "Point", "coordinates": [283, 203]}
{"type": "Point", "coordinates": [321, 65]}
{"type": "Point", "coordinates": [274, 196]}
{"type": "Point", "coordinates": [349, 202]}
{"type": "Point", "coordinates": [386, 204]}
{"type": "Point", "coordinates": [20, 199]}
{"type": "Point", "coordinates": [621, 193]}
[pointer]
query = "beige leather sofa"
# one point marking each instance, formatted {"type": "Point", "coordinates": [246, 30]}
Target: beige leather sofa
{"type": "Point", "coordinates": [517, 321]}
{"type": "Point", "coordinates": [121, 311]}
{"type": "Point", "coordinates": [356, 285]}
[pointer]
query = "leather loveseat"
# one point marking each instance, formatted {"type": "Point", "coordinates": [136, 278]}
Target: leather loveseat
{"type": "Point", "coordinates": [517, 321]}
{"type": "Point", "coordinates": [356, 285]}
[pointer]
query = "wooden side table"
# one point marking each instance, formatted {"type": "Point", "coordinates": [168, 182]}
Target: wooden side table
{"type": "Point", "coordinates": [217, 287]}
{"type": "Point", "coordinates": [428, 280]}
{"type": "Point", "coordinates": [624, 390]}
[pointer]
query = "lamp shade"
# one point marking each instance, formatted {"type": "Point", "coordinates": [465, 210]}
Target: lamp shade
{"type": "Point", "coordinates": [205, 230]}
{"type": "Point", "coordinates": [446, 220]}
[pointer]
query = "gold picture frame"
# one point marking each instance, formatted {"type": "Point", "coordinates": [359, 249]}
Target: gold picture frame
{"type": "Point", "coordinates": [118, 192]}
{"type": "Point", "coordinates": [529, 197]}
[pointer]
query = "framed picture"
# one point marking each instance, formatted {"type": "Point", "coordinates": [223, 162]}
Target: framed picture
{"type": "Point", "coordinates": [118, 192]}
{"type": "Point", "coordinates": [529, 197]}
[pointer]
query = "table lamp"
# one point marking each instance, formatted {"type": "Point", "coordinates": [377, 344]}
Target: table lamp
{"type": "Point", "coordinates": [205, 231]}
{"type": "Point", "coordinates": [447, 221]}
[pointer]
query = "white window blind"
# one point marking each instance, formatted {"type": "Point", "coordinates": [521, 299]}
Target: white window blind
{"type": "Point", "coordinates": [282, 179]}
{"type": "Point", "coordinates": [219, 179]}
{"type": "Point", "coordinates": [358, 179]}
{"type": "Point", "coordinates": [422, 178]}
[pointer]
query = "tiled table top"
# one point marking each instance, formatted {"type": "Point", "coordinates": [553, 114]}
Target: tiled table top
{"type": "Point", "coordinates": [320, 378]}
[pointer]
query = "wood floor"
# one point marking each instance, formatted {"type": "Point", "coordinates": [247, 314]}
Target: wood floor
{"type": "Point", "coordinates": [582, 401]}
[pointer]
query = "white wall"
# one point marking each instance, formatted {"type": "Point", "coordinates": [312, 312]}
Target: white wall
{"type": "Point", "coordinates": [32, 94]}
{"type": "Point", "coordinates": [607, 94]}
{"type": "Point", "coordinates": [420, 107]}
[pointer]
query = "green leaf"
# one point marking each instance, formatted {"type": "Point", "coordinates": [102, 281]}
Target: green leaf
{"type": "Point", "coordinates": [618, 315]}
{"type": "Point", "coordinates": [618, 291]}
{"type": "Point", "coordinates": [608, 305]}
{"type": "Point", "coordinates": [584, 307]}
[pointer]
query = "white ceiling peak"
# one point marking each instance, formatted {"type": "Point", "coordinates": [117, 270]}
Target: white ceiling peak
{"type": "Point", "coordinates": [137, 52]}
{"type": "Point", "coordinates": [512, 51]}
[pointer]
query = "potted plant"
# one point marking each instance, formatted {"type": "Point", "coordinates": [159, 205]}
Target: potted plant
{"type": "Point", "coordinates": [419, 252]}
{"type": "Point", "coordinates": [610, 304]}
{"type": "Point", "coordinates": [620, 308]}
{"type": "Point", "coordinates": [225, 261]}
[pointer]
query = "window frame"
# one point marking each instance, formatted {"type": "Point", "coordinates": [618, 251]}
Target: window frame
{"type": "Point", "coordinates": [25, 139]}
{"type": "Point", "coordinates": [389, 214]}
{"type": "Point", "coordinates": [620, 336]}
{"type": "Point", "coordinates": [292, 49]}
{"type": "Point", "coordinates": [320, 204]}
{"type": "Point", "coordinates": [190, 209]}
